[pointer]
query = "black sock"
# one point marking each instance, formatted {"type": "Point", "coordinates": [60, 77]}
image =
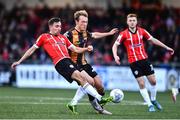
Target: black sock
{"type": "Point", "coordinates": [102, 94]}
{"type": "Point", "coordinates": [91, 98]}
{"type": "Point", "coordinates": [179, 90]}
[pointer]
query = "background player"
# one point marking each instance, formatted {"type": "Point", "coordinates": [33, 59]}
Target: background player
{"type": "Point", "coordinates": [132, 38]}
{"type": "Point", "coordinates": [175, 92]}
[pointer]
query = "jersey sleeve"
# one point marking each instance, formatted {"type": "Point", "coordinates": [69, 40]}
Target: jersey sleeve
{"type": "Point", "coordinates": [68, 43]}
{"type": "Point", "coordinates": [68, 35]}
{"type": "Point", "coordinates": [146, 34]}
{"type": "Point", "coordinates": [120, 38]}
{"type": "Point", "coordinates": [89, 35]}
{"type": "Point", "coordinates": [39, 41]}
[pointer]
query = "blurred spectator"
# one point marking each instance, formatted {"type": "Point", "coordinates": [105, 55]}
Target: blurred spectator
{"type": "Point", "coordinates": [21, 25]}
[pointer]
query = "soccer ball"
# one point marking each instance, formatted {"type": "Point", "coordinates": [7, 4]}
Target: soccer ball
{"type": "Point", "coordinates": [117, 95]}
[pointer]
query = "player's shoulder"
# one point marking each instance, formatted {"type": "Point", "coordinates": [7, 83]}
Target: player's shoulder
{"type": "Point", "coordinates": [43, 35]}
{"type": "Point", "coordinates": [69, 32]}
{"type": "Point", "coordinates": [140, 28]}
{"type": "Point", "coordinates": [123, 31]}
{"type": "Point", "coordinates": [62, 36]}
{"type": "Point", "coordinates": [72, 29]}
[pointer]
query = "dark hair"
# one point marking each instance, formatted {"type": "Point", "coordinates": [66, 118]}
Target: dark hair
{"type": "Point", "coordinates": [53, 20]}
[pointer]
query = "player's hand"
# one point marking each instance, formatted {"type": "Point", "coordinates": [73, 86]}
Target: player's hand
{"type": "Point", "coordinates": [117, 60]}
{"type": "Point", "coordinates": [170, 50]}
{"type": "Point", "coordinates": [113, 31]}
{"type": "Point", "coordinates": [90, 48]}
{"type": "Point", "coordinates": [14, 65]}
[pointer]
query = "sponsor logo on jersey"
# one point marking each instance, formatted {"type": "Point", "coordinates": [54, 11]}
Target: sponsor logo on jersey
{"type": "Point", "coordinates": [136, 45]}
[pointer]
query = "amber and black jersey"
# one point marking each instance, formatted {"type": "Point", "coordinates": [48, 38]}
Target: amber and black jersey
{"type": "Point", "coordinates": [79, 39]}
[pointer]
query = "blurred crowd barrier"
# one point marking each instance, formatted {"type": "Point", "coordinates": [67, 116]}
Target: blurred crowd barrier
{"type": "Point", "coordinates": [45, 76]}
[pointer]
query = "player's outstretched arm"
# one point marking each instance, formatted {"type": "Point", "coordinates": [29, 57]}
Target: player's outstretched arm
{"type": "Point", "coordinates": [97, 35]}
{"type": "Point", "coordinates": [114, 50]}
{"type": "Point", "coordinates": [159, 43]}
{"type": "Point", "coordinates": [81, 50]}
{"type": "Point", "coordinates": [28, 53]}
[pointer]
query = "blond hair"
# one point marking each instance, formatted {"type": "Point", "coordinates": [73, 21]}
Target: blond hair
{"type": "Point", "coordinates": [79, 13]}
{"type": "Point", "coordinates": [131, 15]}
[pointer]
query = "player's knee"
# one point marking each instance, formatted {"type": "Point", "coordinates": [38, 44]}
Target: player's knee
{"type": "Point", "coordinates": [90, 81]}
{"type": "Point", "coordinates": [78, 78]}
{"type": "Point", "coordinates": [87, 78]}
{"type": "Point", "coordinates": [141, 85]}
{"type": "Point", "coordinates": [153, 82]}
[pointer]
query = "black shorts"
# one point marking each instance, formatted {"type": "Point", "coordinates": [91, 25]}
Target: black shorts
{"type": "Point", "coordinates": [88, 68]}
{"type": "Point", "coordinates": [141, 68]}
{"type": "Point", "coordinates": [66, 68]}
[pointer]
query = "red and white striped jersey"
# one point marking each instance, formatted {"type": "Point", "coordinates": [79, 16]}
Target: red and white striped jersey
{"type": "Point", "coordinates": [134, 43]}
{"type": "Point", "coordinates": [55, 45]}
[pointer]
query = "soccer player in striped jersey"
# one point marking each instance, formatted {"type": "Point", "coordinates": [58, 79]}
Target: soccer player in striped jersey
{"type": "Point", "coordinates": [57, 45]}
{"type": "Point", "coordinates": [132, 38]}
{"type": "Point", "coordinates": [79, 36]}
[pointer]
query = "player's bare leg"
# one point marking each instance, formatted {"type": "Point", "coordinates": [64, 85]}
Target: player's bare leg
{"type": "Point", "coordinates": [175, 92]}
{"type": "Point", "coordinates": [96, 82]}
{"type": "Point", "coordinates": [99, 87]}
{"type": "Point", "coordinates": [88, 89]}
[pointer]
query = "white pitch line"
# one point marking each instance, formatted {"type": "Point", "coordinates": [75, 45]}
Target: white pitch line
{"type": "Point", "coordinates": [33, 97]}
{"type": "Point", "coordinates": [63, 103]}
{"type": "Point", "coordinates": [41, 100]}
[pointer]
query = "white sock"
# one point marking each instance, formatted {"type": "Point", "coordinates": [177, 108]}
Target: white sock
{"type": "Point", "coordinates": [145, 95]}
{"type": "Point", "coordinates": [90, 90]}
{"type": "Point", "coordinates": [78, 96]}
{"type": "Point", "coordinates": [153, 92]}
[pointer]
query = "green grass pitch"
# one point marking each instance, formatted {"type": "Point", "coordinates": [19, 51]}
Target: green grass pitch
{"type": "Point", "coordinates": [28, 103]}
